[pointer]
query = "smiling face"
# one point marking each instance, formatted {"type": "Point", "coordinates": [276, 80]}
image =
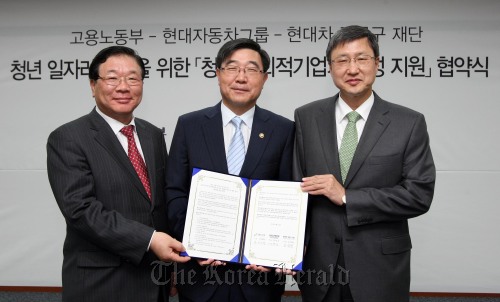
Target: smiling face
{"type": "Point", "coordinates": [354, 82]}
{"type": "Point", "coordinates": [118, 102]}
{"type": "Point", "coordinates": [240, 91]}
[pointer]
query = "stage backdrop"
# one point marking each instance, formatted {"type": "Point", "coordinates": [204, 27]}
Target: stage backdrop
{"type": "Point", "coordinates": [439, 57]}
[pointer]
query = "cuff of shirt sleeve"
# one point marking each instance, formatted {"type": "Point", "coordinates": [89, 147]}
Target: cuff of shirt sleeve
{"type": "Point", "coordinates": [151, 240]}
{"type": "Point", "coordinates": [343, 199]}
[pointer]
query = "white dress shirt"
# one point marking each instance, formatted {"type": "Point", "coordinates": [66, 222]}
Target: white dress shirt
{"type": "Point", "coordinates": [341, 111]}
{"type": "Point", "coordinates": [229, 129]}
{"type": "Point", "coordinates": [116, 126]}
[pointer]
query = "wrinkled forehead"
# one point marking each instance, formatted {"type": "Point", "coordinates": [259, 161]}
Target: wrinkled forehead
{"type": "Point", "coordinates": [244, 57]}
{"type": "Point", "coordinates": [120, 64]}
{"type": "Point", "coordinates": [354, 46]}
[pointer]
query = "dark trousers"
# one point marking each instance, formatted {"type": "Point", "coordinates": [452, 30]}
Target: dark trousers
{"type": "Point", "coordinates": [340, 291]}
{"type": "Point", "coordinates": [163, 296]}
{"type": "Point", "coordinates": [224, 293]}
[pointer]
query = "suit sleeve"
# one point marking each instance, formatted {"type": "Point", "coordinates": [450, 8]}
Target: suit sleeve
{"type": "Point", "coordinates": [298, 173]}
{"type": "Point", "coordinates": [178, 182]}
{"type": "Point", "coordinates": [287, 156]}
{"type": "Point", "coordinates": [297, 151]}
{"type": "Point", "coordinates": [410, 197]}
{"type": "Point", "coordinates": [71, 178]}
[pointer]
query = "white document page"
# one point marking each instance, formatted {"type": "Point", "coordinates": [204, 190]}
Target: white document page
{"type": "Point", "coordinates": [276, 224]}
{"type": "Point", "coordinates": [214, 216]}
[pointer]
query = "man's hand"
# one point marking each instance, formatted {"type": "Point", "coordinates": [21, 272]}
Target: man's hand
{"type": "Point", "coordinates": [264, 269]}
{"type": "Point", "coordinates": [257, 268]}
{"type": "Point", "coordinates": [324, 185]}
{"type": "Point", "coordinates": [211, 262]}
{"type": "Point", "coordinates": [167, 248]}
{"type": "Point", "coordinates": [285, 271]}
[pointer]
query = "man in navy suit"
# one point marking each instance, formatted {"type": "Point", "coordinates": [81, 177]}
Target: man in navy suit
{"type": "Point", "coordinates": [116, 226]}
{"type": "Point", "coordinates": [202, 140]}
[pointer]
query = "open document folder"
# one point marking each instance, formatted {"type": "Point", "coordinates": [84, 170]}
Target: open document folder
{"type": "Point", "coordinates": [248, 221]}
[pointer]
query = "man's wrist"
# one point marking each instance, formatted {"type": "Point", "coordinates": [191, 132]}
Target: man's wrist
{"type": "Point", "coordinates": [150, 241]}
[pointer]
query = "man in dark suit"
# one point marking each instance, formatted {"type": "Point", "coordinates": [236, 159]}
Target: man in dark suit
{"type": "Point", "coordinates": [115, 216]}
{"type": "Point", "coordinates": [360, 203]}
{"type": "Point", "coordinates": [202, 139]}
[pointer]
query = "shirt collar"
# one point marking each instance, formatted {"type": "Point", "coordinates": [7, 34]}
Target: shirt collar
{"type": "Point", "coordinates": [227, 115]}
{"type": "Point", "coordinates": [342, 109]}
{"type": "Point", "coordinates": [115, 125]}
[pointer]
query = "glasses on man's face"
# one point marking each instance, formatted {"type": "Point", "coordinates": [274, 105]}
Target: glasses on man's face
{"type": "Point", "coordinates": [360, 61]}
{"type": "Point", "coordinates": [115, 81]}
{"type": "Point", "coordinates": [233, 70]}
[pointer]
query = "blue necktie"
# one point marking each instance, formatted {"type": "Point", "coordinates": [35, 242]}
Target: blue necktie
{"type": "Point", "coordinates": [236, 151]}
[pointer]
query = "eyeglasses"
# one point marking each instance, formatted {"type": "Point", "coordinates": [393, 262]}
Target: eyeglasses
{"type": "Point", "coordinates": [361, 61]}
{"type": "Point", "coordinates": [115, 81]}
{"type": "Point", "coordinates": [250, 71]}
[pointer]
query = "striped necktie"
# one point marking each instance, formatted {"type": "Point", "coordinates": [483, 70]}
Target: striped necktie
{"type": "Point", "coordinates": [236, 151]}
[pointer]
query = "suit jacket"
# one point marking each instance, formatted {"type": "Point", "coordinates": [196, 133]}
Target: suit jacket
{"type": "Point", "coordinates": [109, 216]}
{"type": "Point", "coordinates": [391, 179]}
{"type": "Point", "coordinates": [198, 141]}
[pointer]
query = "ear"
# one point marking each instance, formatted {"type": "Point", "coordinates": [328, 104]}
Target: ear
{"type": "Point", "coordinates": [217, 73]}
{"type": "Point", "coordinates": [266, 76]}
{"type": "Point", "coordinates": [92, 87]}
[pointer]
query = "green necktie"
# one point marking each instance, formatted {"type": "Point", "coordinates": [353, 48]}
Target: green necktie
{"type": "Point", "coordinates": [349, 143]}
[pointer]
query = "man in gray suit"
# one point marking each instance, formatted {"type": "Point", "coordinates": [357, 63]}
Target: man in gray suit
{"type": "Point", "coordinates": [358, 242]}
{"type": "Point", "coordinates": [109, 183]}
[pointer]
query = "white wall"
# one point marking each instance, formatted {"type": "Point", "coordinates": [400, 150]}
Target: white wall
{"type": "Point", "coordinates": [455, 244]}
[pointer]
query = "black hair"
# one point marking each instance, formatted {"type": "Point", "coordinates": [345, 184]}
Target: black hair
{"type": "Point", "coordinates": [104, 54]}
{"type": "Point", "coordinates": [351, 33]}
{"type": "Point", "coordinates": [229, 47]}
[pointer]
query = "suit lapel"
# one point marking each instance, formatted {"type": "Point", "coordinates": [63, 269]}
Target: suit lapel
{"type": "Point", "coordinates": [106, 138]}
{"type": "Point", "coordinates": [214, 138]}
{"type": "Point", "coordinates": [259, 139]}
{"type": "Point", "coordinates": [375, 125]}
{"type": "Point", "coordinates": [327, 131]}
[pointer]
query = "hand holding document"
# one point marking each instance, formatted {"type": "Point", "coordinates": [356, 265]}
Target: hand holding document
{"type": "Point", "coordinates": [247, 221]}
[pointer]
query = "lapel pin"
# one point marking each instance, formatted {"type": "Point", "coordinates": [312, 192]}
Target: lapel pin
{"type": "Point", "coordinates": [261, 135]}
